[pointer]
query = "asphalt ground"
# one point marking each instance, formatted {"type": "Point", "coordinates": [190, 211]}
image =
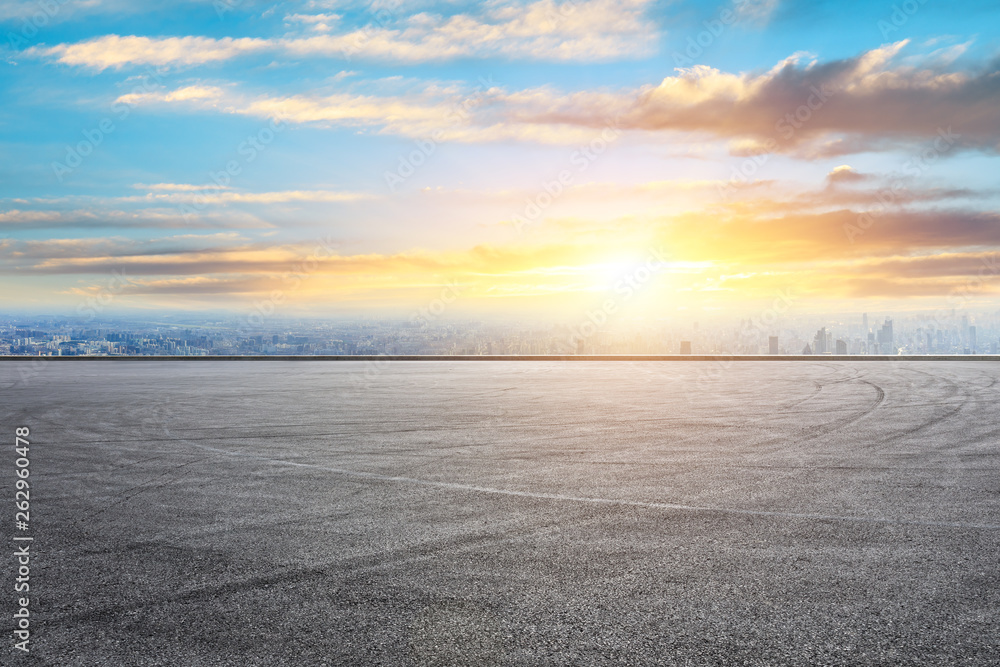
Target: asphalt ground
{"type": "Point", "coordinates": [507, 513]}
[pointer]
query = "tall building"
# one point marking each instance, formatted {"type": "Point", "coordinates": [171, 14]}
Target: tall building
{"type": "Point", "coordinates": [819, 342]}
{"type": "Point", "coordinates": [885, 343]}
{"type": "Point", "coordinates": [685, 347]}
{"type": "Point", "coordinates": [864, 324]}
{"type": "Point", "coordinates": [972, 338]}
{"type": "Point", "coordinates": [772, 345]}
{"type": "Point", "coordinates": [841, 346]}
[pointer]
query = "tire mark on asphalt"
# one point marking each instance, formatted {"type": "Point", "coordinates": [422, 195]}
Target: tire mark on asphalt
{"type": "Point", "coordinates": [457, 486]}
{"type": "Point", "coordinates": [937, 419]}
{"type": "Point", "coordinates": [148, 485]}
{"type": "Point", "coordinates": [837, 424]}
{"type": "Point", "coordinates": [818, 431]}
{"type": "Point", "coordinates": [347, 568]}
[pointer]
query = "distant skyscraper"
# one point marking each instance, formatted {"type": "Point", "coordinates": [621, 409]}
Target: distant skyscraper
{"type": "Point", "coordinates": [841, 346]}
{"type": "Point", "coordinates": [819, 342]}
{"type": "Point", "coordinates": [885, 343]}
{"type": "Point", "coordinates": [806, 349]}
{"type": "Point", "coordinates": [772, 345]}
{"type": "Point", "coordinates": [685, 347]}
{"type": "Point", "coordinates": [864, 323]}
{"type": "Point", "coordinates": [972, 339]}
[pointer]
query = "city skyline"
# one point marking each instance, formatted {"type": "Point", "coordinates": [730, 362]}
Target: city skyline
{"type": "Point", "coordinates": [512, 160]}
{"type": "Point", "coordinates": [773, 334]}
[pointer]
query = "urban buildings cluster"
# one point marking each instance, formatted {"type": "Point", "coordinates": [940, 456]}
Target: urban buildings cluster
{"type": "Point", "coordinates": [857, 334]}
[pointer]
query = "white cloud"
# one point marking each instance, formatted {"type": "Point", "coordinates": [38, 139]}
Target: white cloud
{"type": "Point", "coordinates": [206, 95]}
{"type": "Point", "coordinates": [441, 114]}
{"type": "Point", "coordinates": [211, 195]}
{"type": "Point", "coordinates": [114, 51]}
{"type": "Point", "coordinates": [756, 10]}
{"type": "Point", "coordinates": [176, 187]}
{"type": "Point", "coordinates": [799, 106]}
{"type": "Point", "coordinates": [315, 22]}
{"type": "Point", "coordinates": [590, 30]}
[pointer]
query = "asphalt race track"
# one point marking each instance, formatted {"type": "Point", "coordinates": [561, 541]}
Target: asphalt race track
{"type": "Point", "coordinates": [495, 513]}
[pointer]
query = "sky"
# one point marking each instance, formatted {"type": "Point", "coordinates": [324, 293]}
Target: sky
{"type": "Point", "coordinates": [511, 159]}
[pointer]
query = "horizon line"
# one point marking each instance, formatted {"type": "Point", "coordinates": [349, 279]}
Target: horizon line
{"type": "Point", "coordinates": [516, 357]}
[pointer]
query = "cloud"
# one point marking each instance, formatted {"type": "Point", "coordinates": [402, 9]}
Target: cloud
{"type": "Point", "coordinates": [943, 265]}
{"type": "Point", "coordinates": [590, 30]}
{"type": "Point", "coordinates": [102, 216]}
{"type": "Point", "coordinates": [209, 194]}
{"type": "Point", "coordinates": [805, 236]}
{"type": "Point", "coordinates": [811, 110]}
{"type": "Point", "coordinates": [177, 187]}
{"type": "Point", "coordinates": [42, 13]}
{"type": "Point", "coordinates": [84, 250]}
{"type": "Point", "coordinates": [164, 206]}
{"type": "Point", "coordinates": [478, 115]}
{"type": "Point", "coordinates": [545, 30]}
{"type": "Point", "coordinates": [845, 174]}
{"type": "Point", "coordinates": [232, 266]}
{"type": "Point", "coordinates": [114, 51]}
{"type": "Point", "coordinates": [19, 216]}
{"type": "Point", "coordinates": [728, 252]}
{"type": "Point", "coordinates": [759, 11]}
{"type": "Point", "coordinates": [315, 22]}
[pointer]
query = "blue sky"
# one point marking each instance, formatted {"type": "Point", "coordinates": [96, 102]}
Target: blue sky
{"type": "Point", "coordinates": [321, 110]}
